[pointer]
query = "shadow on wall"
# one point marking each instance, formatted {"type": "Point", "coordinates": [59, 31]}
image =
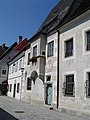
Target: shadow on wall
{"type": "Point", "coordinates": [6, 116]}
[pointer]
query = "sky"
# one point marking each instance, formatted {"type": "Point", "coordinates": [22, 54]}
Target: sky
{"type": "Point", "coordinates": [22, 18]}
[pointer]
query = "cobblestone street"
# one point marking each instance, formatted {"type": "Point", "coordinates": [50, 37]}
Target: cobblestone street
{"type": "Point", "coordinates": [11, 109]}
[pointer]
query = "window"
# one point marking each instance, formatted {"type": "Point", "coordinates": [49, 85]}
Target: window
{"type": "Point", "coordinates": [69, 48]}
{"type": "Point", "coordinates": [9, 69]}
{"type": "Point", "coordinates": [69, 85]}
{"type": "Point", "coordinates": [28, 59]}
{"type": "Point", "coordinates": [29, 84]}
{"type": "Point", "coordinates": [16, 66]}
{"type": "Point", "coordinates": [35, 51]}
{"type": "Point", "coordinates": [88, 40]}
{"type": "Point", "coordinates": [88, 85]}
{"type": "Point", "coordinates": [3, 72]}
{"type": "Point", "coordinates": [0, 87]}
{"type": "Point", "coordinates": [51, 49]}
{"type": "Point", "coordinates": [10, 87]}
{"type": "Point", "coordinates": [20, 63]}
{"type": "Point", "coordinates": [48, 78]}
{"type": "Point", "coordinates": [18, 85]}
{"type": "Point", "coordinates": [12, 68]}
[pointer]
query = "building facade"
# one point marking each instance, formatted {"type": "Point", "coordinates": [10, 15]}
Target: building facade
{"type": "Point", "coordinates": [35, 69]}
{"type": "Point", "coordinates": [75, 63]}
{"type": "Point", "coordinates": [56, 62]}
{"type": "Point", "coordinates": [15, 77]}
{"type": "Point", "coordinates": [16, 70]}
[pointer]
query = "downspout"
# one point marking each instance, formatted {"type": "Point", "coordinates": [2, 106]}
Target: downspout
{"type": "Point", "coordinates": [7, 76]}
{"type": "Point", "coordinates": [58, 69]}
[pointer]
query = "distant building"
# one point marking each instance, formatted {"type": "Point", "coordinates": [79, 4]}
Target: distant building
{"type": "Point", "coordinates": [16, 71]}
{"type": "Point", "coordinates": [4, 58]}
{"type": "Point", "coordinates": [3, 48]}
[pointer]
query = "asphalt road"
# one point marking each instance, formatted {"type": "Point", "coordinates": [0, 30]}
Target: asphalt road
{"type": "Point", "coordinates": [11, 109]}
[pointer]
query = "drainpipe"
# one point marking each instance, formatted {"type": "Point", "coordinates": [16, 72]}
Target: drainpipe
{"type": "Point", "coordinates": [7, 76]}
{"type": "Point", "coordinates": [58, 70]}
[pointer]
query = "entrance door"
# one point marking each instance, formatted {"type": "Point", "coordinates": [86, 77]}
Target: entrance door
{"type": "Point", "coordinates": [49, 94]}
{"type": "Point", "coordinates": [14, 90]}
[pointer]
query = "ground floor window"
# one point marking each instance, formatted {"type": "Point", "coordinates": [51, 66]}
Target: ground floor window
{"type": "Point", "coordinates": [10, 87]}
{"type": "Point", "coordinates": [68, 85]}
{"type": "Point", "coordinates": [29, 84]}
{"type": "Point", "coordinates": [88, 85]}
{"type": "Point", "coordinates": [18, 86]}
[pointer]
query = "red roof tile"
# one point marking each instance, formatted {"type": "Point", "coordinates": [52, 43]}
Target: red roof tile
{"type": "Point", "coordinates": [21, 45]}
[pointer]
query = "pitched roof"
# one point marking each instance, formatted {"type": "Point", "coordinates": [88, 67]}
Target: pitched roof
{"type": "Point", "coordinates": [26, 43]}
{"type": "Point", "coordinates": [21, 45]}
{"type": "Point", "coordinates": [56, 15]}
{"type": "Point", "coordinates": [62, 13]}
{"type": "Point", "coordinates": [76, 9]}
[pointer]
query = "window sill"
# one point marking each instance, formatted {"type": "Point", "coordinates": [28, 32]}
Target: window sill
{"type": "Point", "coordinates": [68, 58]}
{"type": "Point", "coordinates": [87, 52]}
{"type": "Point", "coordinates": [50, 56]}
{"type": "Point", "coordinates": [88, 97]}
{"type": "Point", "coordinates": [29, 91]}
{"type": "Point", "coordinates": [69, 96]}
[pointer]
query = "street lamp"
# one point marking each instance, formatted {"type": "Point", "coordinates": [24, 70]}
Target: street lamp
{"type": "Point", "coordinates": [22, 70]}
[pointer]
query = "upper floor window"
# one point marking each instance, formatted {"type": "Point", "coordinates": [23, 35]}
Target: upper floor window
{"type": "Point", "coordinates": [88, 40]}
{"type": "Point", "coordinates": [28, 59]}
{"type": "Point", "coordinates": [9, 69]}
{"type": "Point", "coordinates": [68, 86]}
{"type": "Point", "coordinates": [35, 51]}
{"type": "Point", "coordinates": [50, 49]}
{"type": "Point", "coordinates": [3, 72]}
{"type": "Point", "coordinates": [20, 63]}
{"type": "Point", "coordinates": [16, 67]}
{"type": "Point", "coordinates": [69, 48]}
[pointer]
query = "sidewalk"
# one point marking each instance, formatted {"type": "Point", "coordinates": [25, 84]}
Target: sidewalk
{"type": "Point", "coordinates": [12, 109]}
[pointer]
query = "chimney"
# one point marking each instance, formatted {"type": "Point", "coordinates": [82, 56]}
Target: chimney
{"type": "Point", "coordinates": [19, 39]}
{"type": "Point", "coordinates": [3, 46]}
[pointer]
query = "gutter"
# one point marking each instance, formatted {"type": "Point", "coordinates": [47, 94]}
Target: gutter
{"type": "Point", "coordinates": [58, 70]}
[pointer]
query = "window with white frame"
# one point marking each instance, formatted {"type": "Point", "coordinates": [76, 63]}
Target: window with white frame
{"type": "Point", "coordinates": [68, 85]}
{"type": "Point", "coordinates": [10, 69]}
{"type": "Point", "coordinates": [20, 64]}
{"type": "Point", "coordinates": [3, 72]}
{"type": "Point", "coordinates": [68, 48]}
{"type": "Point", "coordinates": [35, 51]}
{"type": "Point", "coordinates": [28, 59]}
{"type": "Point", "coordinates": [50, 49]}
{"type": "Point", "coordinates": [29, 84]}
